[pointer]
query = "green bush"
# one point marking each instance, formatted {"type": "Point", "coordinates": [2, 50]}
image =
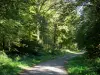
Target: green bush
{"type": "Point", "coordinates": [82, 66]}
{"type": "Point", "coordinates": [29, 47]}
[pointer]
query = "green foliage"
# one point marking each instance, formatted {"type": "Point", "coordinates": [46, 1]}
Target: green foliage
{"type": "Point", "coordinates": [28, 47]}
{"type": "Point", "coordinates": [82, 66]}
{"type": "Point", "coordinates": [88, 30]}
{"type": "Point", "coordinates": [14, 65]}
{"type": "Point", "coordinates": [7, 66]}
{"type": "Point", "coordinates": [21, 20]}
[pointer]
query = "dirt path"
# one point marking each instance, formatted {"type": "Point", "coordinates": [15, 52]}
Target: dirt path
{"type": "Point", "coordinates": [52, 67]}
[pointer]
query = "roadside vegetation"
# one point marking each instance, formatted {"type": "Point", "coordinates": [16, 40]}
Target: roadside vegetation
{"type": "Point", "coordinates": [81, 65]}
{"type": "Point", "coordinates": [14, 65]}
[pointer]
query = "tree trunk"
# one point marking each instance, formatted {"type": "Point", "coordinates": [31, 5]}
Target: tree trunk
{"type": "Point", "coordinates": [3, 43]}
{"type": "Point", "coordinates": [55, 36]}
{"type": "Point", "coordinates": [38, 33]}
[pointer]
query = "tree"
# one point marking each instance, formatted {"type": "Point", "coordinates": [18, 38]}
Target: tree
{"type": "Point", "coordinates": [88, 30]}
{"type": "Point", "coordinates": [35, 20]}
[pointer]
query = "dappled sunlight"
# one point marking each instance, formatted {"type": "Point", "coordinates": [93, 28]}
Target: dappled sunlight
{"type": "Point", "coordinates": [46, 70]}
{"type": "Point", "coordinates": [73, 52]}
{"type": "Point", "coordinates": [49, 68]}
{"type": "Point", "coordinates": [24, 67]}
{"type": "Point", "coordinates": [55, 69]}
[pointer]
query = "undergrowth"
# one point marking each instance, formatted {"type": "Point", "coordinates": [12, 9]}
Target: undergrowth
{"type": "Point", "coordinates": [13, 65]}
{"type": "Point", "coordinates": [82, 66]}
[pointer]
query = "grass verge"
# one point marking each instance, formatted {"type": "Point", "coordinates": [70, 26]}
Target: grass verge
{"type": "Point", "coordinates": [82, 66]}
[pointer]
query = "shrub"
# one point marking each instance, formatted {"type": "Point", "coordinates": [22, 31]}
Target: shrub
{"type": "Point", "coordinates": [28, 47]}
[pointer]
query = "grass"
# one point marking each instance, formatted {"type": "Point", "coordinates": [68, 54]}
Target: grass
{"type": "Point", "coordinates": [15, 64]}
{"type": "Point", "coordinates": [82, 66]}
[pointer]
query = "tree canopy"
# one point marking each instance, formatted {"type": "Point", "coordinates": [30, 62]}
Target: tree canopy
{"type": "Point", "coordinates": [48, 25]}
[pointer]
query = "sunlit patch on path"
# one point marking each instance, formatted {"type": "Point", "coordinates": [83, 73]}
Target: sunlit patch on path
{"type": "Point", "coordinates": [45, 70]}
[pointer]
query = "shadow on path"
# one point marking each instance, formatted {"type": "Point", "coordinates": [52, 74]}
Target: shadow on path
{"type": "Point", "coordinates": [51, 67]}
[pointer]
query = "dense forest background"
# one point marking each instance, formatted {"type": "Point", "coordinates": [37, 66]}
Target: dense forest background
{"type": "Point", "coordinates": [38, 27]}
{"type": "Point", "coordinates": [34, 26]}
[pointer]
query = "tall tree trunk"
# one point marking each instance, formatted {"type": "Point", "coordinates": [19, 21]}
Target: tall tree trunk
{"type": "Point", "coordinates": [9, 45]}
{"type": "Point", "coordinates": [55, 36]}
{"type": "Point", "coordinates": [38, 33]}
{"type": "Point", "coordinates": [3, 42]}
{"type": "Point", "coordinates": [29, 33]}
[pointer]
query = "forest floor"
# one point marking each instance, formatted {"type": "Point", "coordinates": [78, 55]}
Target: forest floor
{"type": "Point", "coordinates": [51, 67]}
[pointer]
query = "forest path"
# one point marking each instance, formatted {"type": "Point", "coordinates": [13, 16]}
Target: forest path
{"type": "Point", "coordinates": [51, 67]}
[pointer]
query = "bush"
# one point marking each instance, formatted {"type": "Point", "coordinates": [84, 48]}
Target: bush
{"type": "Point", "coordinates": [81, 66]}
{"type": "Point", "coordinates": [28, 47]}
